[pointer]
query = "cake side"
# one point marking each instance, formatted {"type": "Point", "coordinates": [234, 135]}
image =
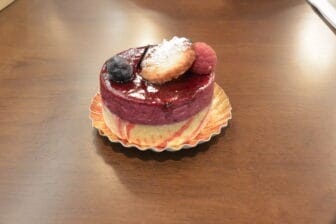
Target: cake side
{"type": "Point", "coordinates": [162, 136]}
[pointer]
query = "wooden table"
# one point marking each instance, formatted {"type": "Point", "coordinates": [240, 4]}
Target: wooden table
{"type": "Point", "coordinates": [275, 163]}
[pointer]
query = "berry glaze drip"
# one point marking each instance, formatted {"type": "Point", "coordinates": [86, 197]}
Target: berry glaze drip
{"type": "Point", "coordinates": [140, 101]}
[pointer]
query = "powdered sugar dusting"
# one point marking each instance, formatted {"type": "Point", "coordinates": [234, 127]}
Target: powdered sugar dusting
{"type": "Point", "coordinates": [160, 53]}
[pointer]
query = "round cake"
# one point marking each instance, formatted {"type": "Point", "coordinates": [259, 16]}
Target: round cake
{"type": "Point", "coordinates": [158, 95]}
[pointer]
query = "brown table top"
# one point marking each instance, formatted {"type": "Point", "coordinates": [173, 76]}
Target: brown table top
{"type": "Point", "coordinates": [275, 163]}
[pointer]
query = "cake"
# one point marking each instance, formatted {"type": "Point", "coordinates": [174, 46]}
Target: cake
{"type": "Point", "coordinates": [158, 95]}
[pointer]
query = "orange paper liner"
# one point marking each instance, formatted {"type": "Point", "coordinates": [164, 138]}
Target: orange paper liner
{"type": "Point", "coordinates": [220, 114]}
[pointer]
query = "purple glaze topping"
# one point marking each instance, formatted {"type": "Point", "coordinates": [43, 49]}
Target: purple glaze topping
{"type": "Point", "coordinates": [140, 101]}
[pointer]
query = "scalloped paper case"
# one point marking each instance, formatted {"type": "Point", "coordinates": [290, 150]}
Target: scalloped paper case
{"type": "Point", "coordinates": [220, 114]}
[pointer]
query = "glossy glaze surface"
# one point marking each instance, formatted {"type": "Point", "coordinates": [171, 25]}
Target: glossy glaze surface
{"type": "Point", "coordinates": [140, 101]}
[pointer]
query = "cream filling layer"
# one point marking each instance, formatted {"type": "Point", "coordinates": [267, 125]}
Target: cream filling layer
{"type": "Point", "coordinates": [156, 135]}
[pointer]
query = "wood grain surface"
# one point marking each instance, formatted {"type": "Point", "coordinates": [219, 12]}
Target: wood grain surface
{"type": "Point", "coordinates": [275, 163]}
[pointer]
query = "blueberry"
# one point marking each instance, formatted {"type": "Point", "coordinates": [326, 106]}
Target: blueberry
{"type": "Point", "coordinates": [119, 69]}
